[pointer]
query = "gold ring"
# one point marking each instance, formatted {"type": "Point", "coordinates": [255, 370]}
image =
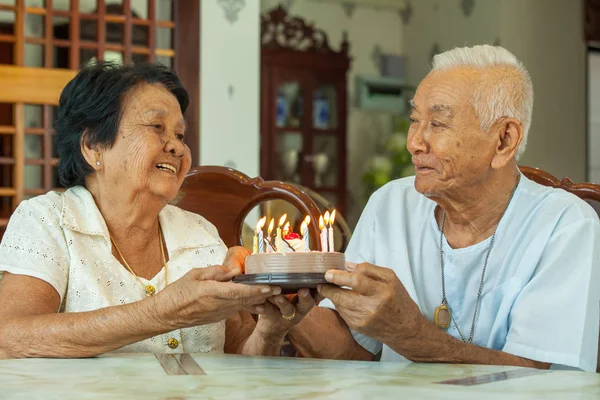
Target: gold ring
{"type": "Point", "coordinates": [289, 317]}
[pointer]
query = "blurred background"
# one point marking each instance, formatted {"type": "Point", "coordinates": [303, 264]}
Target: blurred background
{"type": "Point", "coordinates": [312, 92]}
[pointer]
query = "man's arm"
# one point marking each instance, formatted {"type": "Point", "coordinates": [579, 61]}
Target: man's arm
{"type": "Point", "coordinates": [431, 345]}
{"type": "Point", "coordinates": [324, 334]}
{"type": "Point", "coordinates": [379, 306]}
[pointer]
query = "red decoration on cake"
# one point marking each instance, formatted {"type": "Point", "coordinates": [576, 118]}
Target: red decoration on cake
{"type": "Point", "coordinates": [291, 236]}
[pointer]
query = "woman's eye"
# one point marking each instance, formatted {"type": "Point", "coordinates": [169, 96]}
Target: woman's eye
{"type": "Point", "coordinates": [436, 124]}
{"type": "Point", "coordinates": [180, 137]}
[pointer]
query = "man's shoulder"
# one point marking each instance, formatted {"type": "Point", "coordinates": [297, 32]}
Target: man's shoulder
{"type": "Point", "coordinates": [399, 197]}
{"type": "Point", "coordinates": [546, 200]}
{"type": "Point", "coordinates": [402, 189]}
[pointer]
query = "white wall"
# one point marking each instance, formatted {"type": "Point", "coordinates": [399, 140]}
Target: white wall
{"type": "Point", "coordinates": [230, 88]}
{"type": "Point", "coordinates": [594, 117]}
{"type": "Point", "coordinates": [442, 25]}
{"type": "Point", "coordinates": [547, 35]}
{"type": "Point", "coordinates": [369, 30]}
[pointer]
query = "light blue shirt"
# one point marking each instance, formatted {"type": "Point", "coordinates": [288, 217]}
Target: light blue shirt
{"type": "Point", "coordinates": [541, 293]}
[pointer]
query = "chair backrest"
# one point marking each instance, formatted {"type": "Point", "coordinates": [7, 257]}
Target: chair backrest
{"type": "Point", "coordinates": [225, 196]}
{"type": "Point", "coordinates": [586, 191]}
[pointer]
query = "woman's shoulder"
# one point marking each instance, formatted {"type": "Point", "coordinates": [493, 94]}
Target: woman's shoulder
{"type": "Point", "coordinates": [190, 225]}
{"type": "Point", "coordinates": [47, 205]}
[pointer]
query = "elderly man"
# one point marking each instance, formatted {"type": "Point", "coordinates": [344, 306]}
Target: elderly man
{"type": "Point", "coordinates": [469, 261]}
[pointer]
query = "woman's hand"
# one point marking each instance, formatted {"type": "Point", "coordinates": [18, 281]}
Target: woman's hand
{"type": "Point", "coordinates": [205, 295]}
{"type": "Point", "coordinates": [280, 313]}
{"type": "Point", "coordinates": [235, 259]}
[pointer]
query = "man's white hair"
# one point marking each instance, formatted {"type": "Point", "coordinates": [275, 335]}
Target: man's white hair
{"type": "Point", "coordinates": [506, 91]}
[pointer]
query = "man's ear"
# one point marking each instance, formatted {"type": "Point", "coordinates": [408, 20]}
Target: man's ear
{"type": "Point", "coordinates": [92, 154]}
{"type": "Point", "coordinates": [509, 133]}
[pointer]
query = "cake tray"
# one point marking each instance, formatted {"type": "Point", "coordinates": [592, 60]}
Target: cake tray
{"type": "Point", "coordinates": [289, 283]}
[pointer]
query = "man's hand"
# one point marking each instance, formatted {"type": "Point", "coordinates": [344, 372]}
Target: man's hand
{"type": "Point", "coordinates": [376, 305]}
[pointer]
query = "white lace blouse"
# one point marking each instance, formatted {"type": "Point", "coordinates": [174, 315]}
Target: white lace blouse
{"type": "Point", "coordinates": [62, 239]}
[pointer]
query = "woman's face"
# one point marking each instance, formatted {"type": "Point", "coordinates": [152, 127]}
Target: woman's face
{"type": "Point", "coordinates": [149, 155]}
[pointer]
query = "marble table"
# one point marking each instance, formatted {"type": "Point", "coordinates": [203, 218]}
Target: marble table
{"type": "Point", "coordinates": [198, 376]}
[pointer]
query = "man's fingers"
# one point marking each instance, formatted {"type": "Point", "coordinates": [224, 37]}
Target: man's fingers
{"type": "Point", "coordinates": [372, 271]}
{"type": "Point", "coordinates": [340, 297]}
{"type": "Point", "coordinates": [356, 281]}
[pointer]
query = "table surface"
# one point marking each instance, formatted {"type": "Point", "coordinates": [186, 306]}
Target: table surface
{"type": "Point", "coordinates": [194, 376]}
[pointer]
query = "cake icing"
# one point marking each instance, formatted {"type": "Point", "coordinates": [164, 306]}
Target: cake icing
{"type": "Point", "coordinates": [294, 262]}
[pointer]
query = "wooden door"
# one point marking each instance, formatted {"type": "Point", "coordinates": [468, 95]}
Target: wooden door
{"type": "Point", "coordinates": [43, 43]}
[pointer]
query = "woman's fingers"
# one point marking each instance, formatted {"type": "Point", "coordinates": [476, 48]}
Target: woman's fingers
{"type": "Point", "coordinates": [305, 301]}
{"type": "Point", "coordinates": [286, 308]}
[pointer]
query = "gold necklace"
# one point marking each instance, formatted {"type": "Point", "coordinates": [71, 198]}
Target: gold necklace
{"type": "Point", "coordinates": [150, 290]}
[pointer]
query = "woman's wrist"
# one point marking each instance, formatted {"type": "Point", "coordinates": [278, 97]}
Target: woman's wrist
{"type": "Point", "coordinates": [270, 334]}
{"type": "Point", "coordinates": [155, 311]}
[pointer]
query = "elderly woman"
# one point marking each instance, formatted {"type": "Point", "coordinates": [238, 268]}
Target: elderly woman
{"type": "Point", "coordinates": [469, 261]}
{"type": "Point", "coordinates": [108, 265]}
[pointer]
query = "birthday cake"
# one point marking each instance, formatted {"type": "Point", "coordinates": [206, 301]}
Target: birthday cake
{"type": "Point", "coordinates": [287, 258]}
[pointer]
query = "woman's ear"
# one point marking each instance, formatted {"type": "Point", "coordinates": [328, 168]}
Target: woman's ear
{"type": "Point", "coordinates": [92, 154]}
{"type": "Point", "coordinates": [510, 135]}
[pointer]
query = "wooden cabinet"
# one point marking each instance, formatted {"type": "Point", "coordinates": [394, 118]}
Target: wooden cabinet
{"type": "Point", "coordinates": [303, 106]}
{"type": "Point", "coordinates": [592, 22]}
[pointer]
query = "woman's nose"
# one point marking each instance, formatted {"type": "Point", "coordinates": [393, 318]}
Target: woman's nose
{"type": "Point", "coordinates": [175, 147]}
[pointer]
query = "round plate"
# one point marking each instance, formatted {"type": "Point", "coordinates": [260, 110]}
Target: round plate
{"type": "Point", "coordinates": [289, 283]}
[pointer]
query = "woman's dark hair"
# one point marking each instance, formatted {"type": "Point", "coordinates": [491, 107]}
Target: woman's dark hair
{"type": "Point", "coordinates": [91, 103]}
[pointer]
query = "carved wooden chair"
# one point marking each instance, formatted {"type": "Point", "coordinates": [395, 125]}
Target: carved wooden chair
{"type": "Point", "coordinates": [589, 192]}
{"type": "Point", "coordinates": [225, 197]}
{"type": "Point", "coordinates": [585, 191]}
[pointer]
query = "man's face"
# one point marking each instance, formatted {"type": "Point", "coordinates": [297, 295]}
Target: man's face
{"type": "Point", "coordinates": [449, 150]}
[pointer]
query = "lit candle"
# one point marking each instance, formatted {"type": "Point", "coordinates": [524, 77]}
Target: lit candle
{"type": "Point", "coordinates": [305, 235]}
{"type": "Point", "coordinates": [331, 221]}
{"type": "Point", "coordinates": [286, 228]}
{"type": "Point", "coordinates": [323, 234]}
{"type": "Point", "coordinates": [255, 243]}
{"type": "Point", "coordinates": [269, 233]}
{"type": "Point", "coordinates": [259, 232]}
{"type": "Point", "coordinates": [278, 239]}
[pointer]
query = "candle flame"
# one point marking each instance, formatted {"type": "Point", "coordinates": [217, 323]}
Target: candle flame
{"type": "Point", "coordinates": [260, 224]}
{"type": "Point", "coordinates": [271, 225]}
{"type": "Point", "coordinates": [326, 218]}
{"type": "Point", "coordinates": [332, 218]}
{"type": "Point", "coordinates": [286, 228]}
{"type": "Point", "coordinates": [282, 219]}
{"type": "Point", "coordinates": [307, 219]}
{"type": "Point", "coordinates": [321, 223]}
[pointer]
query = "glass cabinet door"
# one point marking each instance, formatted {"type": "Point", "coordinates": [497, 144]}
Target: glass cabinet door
{"type": "Point", "coordinates": [289, 105]}
{"type": "Point", "coordinates": [324, 107]}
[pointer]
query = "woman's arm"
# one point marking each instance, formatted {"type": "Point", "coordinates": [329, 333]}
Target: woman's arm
{"type": "Point", "coordinates": [244, 336]}
{"type": "Point", "coordinates": [277, 317]}
{"type": "Point", "coordinates": [31, 326]}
